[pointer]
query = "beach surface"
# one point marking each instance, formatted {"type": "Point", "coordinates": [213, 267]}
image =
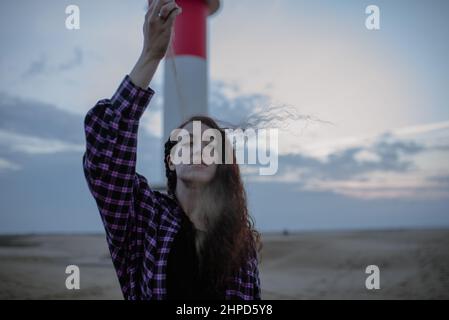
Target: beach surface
{"type": "Point", "coordinates": [413, 264]}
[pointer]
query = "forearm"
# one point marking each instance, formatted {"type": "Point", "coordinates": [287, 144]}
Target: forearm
{"type": "Point", "coordinates": [144, 70]}
{"type": "Point", "coordinates": [111, 125]}
{"type": "Point", "coordinates": [109, 163]}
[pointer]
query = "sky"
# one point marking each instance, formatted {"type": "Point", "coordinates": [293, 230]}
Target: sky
{"type": "Point", "coordinates": [367, 145]}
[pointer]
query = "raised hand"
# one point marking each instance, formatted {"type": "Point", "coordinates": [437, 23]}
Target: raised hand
{"type": "Point", "coordinates": [158, 27]}
{"type": "Point", "coordinates": [157, 32]}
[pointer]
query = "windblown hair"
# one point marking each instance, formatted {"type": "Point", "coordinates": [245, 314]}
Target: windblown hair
{"type": "Point", "coordinates": [230, 239]}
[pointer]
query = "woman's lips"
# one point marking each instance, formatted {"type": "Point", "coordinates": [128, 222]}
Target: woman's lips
{"type": "Point", "coordinates": [198, 165]}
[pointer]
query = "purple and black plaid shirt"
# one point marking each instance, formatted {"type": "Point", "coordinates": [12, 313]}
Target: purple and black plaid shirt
{"type": "Point", "coordinates": [140, 223]}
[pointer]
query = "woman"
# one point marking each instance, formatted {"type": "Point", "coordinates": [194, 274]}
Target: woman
{"type": "Point", "coordinates": [197, 241]}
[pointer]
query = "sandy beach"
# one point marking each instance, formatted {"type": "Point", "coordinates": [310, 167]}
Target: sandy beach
{"type": "Point", "coordinates": [414, 264]}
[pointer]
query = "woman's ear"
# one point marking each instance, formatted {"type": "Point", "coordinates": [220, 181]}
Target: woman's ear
{"type": "Point", "coordinates": [170, 163]}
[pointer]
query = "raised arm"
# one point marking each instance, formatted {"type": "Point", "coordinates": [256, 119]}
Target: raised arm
{"type": "Point", "coordinates": [111, 128]}
{"type": "Point", "coordinates": [157, 32]}
{"type": "Point", "coordinates": [109, 162]}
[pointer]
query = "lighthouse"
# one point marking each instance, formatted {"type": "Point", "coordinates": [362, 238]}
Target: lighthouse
{"type": "Point", "coordinates": [186, 68]}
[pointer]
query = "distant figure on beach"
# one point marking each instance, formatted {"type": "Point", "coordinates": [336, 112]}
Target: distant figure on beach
{"type": "Point", "coordinates": [197, 241]}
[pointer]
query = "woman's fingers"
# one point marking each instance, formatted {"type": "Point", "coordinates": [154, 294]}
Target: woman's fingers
{"type": "Point", "coordinates": [157, 6]}
{"type": "Point", "coordinates": [167, 9]}
{"type": "Point", "coordinates": [172, 15]}
{"type": "Point", "coordinates": [150, 3]}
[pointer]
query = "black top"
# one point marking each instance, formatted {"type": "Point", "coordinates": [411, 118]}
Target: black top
{"type": "Point", "coordinates": [184, 281]}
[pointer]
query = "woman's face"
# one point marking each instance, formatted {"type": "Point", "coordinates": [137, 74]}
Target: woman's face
{"type": "Point", "coordinates": [198, 174]}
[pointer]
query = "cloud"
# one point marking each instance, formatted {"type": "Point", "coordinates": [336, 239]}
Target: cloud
{"type": "Point", "coordinates": [387, 168]}
{"type": "Point", "coordinates": [13, 142]}
{"type": "Point", "coordinates": [37, 67]}
{"type": "Point", "coordinates": [367, 156]}
{"type": "Point", "coordinates": [383, 185]}
{"type": "Point", "coordinates": [384, 154]}
{"type": "Point", "coordinates": [432, 135]}
{"type": "Point", "coordinates": [8, 165]}
{"type": "Point", "coordinates": [31, 128]}
{"type": "Point", "coordinates": [233, 109]}
{"type": "Point", "coordinates": [421, 128]}
{"type": "Point", "coordinates": [227, 104]}
{"type": "Point", "coordinates": [74, 62]}
{"type": "Point", "coordinates": [37, 119]}
{"type": "Point", "coordinates": [42, 66]}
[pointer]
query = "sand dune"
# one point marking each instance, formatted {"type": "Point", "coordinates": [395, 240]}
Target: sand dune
{"type": "Point", "coordinates": [314, 265]}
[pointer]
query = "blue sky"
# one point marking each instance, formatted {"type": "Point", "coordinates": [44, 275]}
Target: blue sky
{"type": "Point", "coordinates": [379, 158]}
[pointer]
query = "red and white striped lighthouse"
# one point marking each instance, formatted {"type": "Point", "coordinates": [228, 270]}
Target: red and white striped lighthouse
{"type": "Point", "coordinates": [186, 68]}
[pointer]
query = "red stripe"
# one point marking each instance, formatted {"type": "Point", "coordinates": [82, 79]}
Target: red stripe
{"type": "Point", "coordinates": [191, 28]}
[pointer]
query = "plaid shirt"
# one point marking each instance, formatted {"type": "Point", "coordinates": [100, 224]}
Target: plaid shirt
{"type": "Point", "coordinates": [140, 223]}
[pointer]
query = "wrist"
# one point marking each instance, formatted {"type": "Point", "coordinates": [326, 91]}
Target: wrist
{"type": "Point", "coordinates": [144, 70]}
{"type": "Point", "coordinates": [147, 58]}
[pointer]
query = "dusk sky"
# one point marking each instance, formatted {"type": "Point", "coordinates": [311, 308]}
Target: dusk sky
{"type": "Point", "coordinates": [369, 148]}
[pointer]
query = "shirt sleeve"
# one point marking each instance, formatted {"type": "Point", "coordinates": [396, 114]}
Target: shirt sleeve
{"type": "Point", "coordinates": [109, 161]}
{"type": "Point", "coordinates": [257, 290]}
{"type": "Point", "coordinates": [254, 280]}
{"type": "Point", "coordinates": [246, 284]}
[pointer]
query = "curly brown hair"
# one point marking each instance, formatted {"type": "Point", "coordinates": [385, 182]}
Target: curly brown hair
{"type": "Point", "coordinates": [231, 239]}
